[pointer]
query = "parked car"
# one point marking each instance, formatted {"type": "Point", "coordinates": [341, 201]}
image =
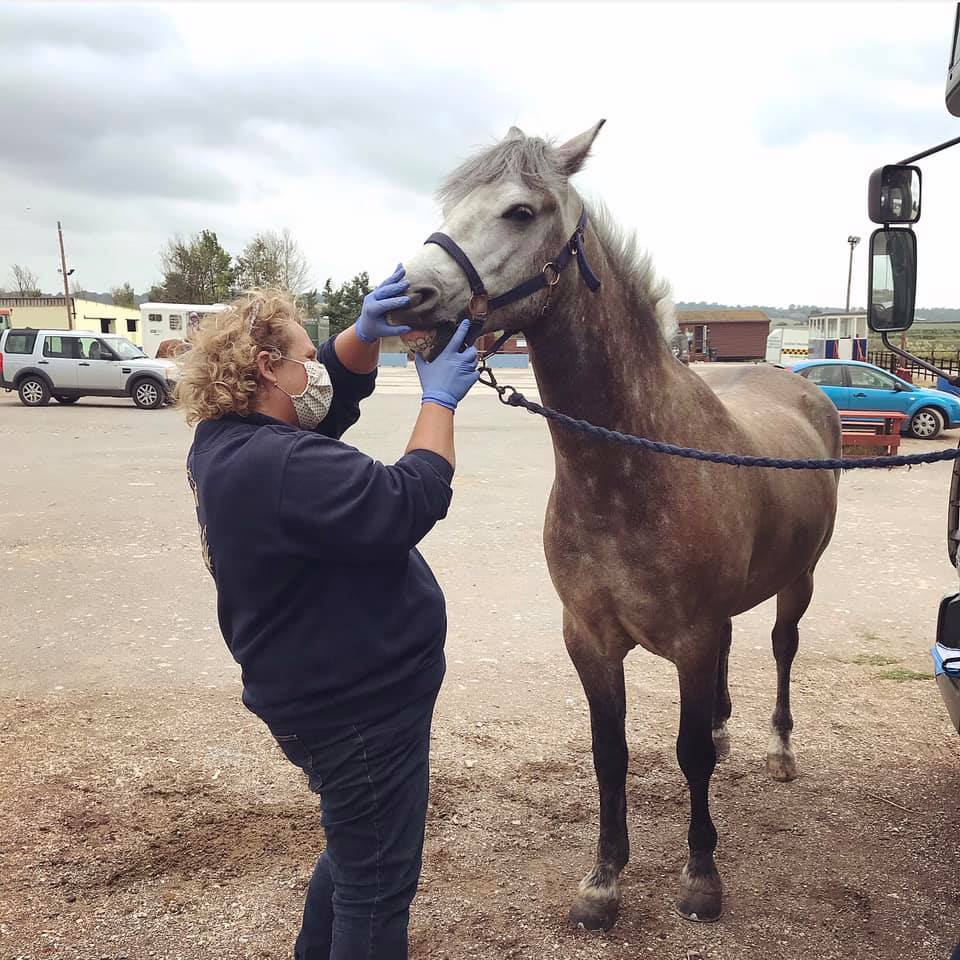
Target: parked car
{"type": "Point", "coordinates": [854, 385]}
{"type": "Point", "coordinates": [69, 364]}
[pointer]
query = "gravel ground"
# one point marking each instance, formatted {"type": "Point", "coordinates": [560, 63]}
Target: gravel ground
{"type": "Point", "coordinates": [148, 815]}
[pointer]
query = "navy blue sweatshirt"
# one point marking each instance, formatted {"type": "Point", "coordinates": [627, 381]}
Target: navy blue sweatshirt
{"type": "Point", "coordinates": [322, 596]}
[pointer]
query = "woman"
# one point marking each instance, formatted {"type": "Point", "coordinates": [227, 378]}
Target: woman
{"type": "Point", "coordinates": [323, 599]}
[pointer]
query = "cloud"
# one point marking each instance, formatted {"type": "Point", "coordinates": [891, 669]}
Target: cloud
{"type": "Point", "coordinates": [99, 28]}
{"type": "Point", "coordinates": [167, 125]}
{"type": "Point", "coordinates": [857, 118]}
{"type": "Point", "coordinates": [339, 120]}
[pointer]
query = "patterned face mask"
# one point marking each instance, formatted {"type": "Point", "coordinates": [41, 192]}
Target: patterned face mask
{"type": "Point", "coordinates": [312, 405]}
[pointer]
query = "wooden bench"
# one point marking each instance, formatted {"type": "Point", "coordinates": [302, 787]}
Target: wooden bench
{"type": "Point", "coordinates": [872, 428]}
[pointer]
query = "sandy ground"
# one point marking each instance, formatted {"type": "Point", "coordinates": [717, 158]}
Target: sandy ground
{"type": "Point", "coordinates": [146, 814]}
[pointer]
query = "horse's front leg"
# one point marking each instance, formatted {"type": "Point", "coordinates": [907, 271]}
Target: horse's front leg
{"type": "Point", "coordinates": [598, 897]}
{"type": "Point", "coordinates": [701, 890]}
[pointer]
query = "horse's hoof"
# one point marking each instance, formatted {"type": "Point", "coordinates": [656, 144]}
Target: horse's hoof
{"type": "Point", "coordinates": [701, 898]}
{"type": "Point", "coordinates": [594, 914]}
{"type": "Point", "coordinates": [782, 766]}
{"type": "Point", "coordinates": [721, 743]}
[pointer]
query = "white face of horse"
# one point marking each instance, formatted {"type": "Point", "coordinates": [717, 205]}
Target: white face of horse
{"type": "Point", "coordinates": [509, 230]}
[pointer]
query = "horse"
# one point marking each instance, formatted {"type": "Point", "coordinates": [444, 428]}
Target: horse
{"type": "Point", "coordinates": [170, 349]}
{"type": "Point", "coordinates": [643, 549]}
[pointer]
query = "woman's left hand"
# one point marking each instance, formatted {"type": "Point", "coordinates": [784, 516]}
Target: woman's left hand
{"type": "Point", "coordinates": [372, 325]}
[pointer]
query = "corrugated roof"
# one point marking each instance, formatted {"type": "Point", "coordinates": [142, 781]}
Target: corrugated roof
{"type": "Point", "coordinates": [722, 316]}
{"type": "Point", "coordinates": [18, 301]}
{"type": "Point", "coordinates": [92, 309]}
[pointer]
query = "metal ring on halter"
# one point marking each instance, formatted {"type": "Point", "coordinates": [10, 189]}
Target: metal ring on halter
{"type": "Point", "coordinates": [549, 265]}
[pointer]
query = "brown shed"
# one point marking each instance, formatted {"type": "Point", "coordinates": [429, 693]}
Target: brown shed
{"type": "Point", "coordinates": [516, 344]}
{"type": "Point", "coordinates": [725, 334]}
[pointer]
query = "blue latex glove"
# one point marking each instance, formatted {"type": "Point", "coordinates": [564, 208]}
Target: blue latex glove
{"type": "Point", "coordinates": [448, 379]}
{"type": "Point", "coordinates": [371, 325]}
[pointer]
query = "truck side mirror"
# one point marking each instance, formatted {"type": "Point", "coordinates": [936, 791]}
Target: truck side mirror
{"type": "Point", "coordinates": [894, 194]}
{"type": "Point", "coordinates": [893, 280]}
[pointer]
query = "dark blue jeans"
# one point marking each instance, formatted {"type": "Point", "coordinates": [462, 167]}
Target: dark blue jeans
{"type": "Point", "coordinates": [373, 781]}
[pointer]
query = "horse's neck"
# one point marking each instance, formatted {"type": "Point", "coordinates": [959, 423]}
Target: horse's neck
{"type": "Point", "coordinates": [602, 357]}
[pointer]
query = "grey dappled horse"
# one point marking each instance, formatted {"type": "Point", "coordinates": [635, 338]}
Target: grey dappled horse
{"type": "Point", "coordinates": [643, 549]}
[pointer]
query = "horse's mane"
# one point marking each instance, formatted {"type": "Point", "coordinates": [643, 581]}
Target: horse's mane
{"type": "Point", "coordinates": [636, 267]}
{"type": "Point", "coordinates": [536, 163]}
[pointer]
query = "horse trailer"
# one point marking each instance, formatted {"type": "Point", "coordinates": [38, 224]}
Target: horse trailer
{"type": "Point", "coordinates": [171, 321]}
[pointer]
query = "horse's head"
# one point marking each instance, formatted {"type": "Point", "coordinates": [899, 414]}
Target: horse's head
{"type": "Point", "coordinates": [510, 209]}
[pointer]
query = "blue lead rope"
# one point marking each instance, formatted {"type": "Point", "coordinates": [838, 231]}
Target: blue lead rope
{"type": "Point", "coordinates": [512, 398]}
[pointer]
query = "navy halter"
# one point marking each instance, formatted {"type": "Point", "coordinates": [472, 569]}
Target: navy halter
{"type": "Point", "coordinates": [481, 303]}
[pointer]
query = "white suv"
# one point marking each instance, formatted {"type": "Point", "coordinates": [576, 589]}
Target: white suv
{"type": "Point", "coordinates": [69, 364]}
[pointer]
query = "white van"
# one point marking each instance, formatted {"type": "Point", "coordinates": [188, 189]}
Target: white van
{"type": "Point", "coordinates": [171, 321]}
{"type": "Point", "coordinates": [786, 345]}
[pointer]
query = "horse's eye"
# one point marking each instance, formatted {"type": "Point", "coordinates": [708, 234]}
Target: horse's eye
{"type": "Point", "coordinates": [520, 212]}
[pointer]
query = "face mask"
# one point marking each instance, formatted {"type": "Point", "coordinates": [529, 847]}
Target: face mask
{"type": "Point", "coordinates": [312, 405]}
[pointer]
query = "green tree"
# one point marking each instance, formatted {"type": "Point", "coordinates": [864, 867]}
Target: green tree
{"type": "Point", "coordinates": [196, 271]}
{"type": "Point", "coordinates": [311, 304]}
{"type": "Point", "coordinates": [254, 267]}
{"type": "Point", "coordinates": [342, 305]}
{"type": "Point", "coordinates": [273, 260]}
{"type": "Point", "coordinates": [123, 296]}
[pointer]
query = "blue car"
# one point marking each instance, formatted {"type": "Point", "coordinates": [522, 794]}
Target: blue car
{"type": "Point", "coordinates": [853, 385]}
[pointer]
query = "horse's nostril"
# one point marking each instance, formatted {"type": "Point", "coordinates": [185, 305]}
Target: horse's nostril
{"type": "Point", "coordinates": [424, 296]}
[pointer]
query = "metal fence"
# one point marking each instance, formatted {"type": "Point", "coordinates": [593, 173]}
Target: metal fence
{"type": "Point", "coordinates": [948, 362]}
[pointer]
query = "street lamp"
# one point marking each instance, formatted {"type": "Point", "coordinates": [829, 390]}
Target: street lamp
{"type": "Point", "coordinates": [853, 241]}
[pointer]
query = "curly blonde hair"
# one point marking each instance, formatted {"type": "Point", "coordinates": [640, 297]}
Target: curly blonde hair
{"type": "Point", "coordinates": [219, 374]}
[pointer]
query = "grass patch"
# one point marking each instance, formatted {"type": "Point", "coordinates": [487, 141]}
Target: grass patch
{"type": "Point", "coordinates": [870, 636]}
{"type": "Point", "coordinates": [901, 675]}
{"type": "Point", "coordinates": [873, 660]}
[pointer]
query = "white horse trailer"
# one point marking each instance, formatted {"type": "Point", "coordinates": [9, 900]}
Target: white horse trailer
{"type": "Point", "coordinates": [171, 321]}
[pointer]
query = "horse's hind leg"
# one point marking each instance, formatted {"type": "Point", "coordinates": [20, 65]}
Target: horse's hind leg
{"type": "Point", "coordinates": [792, 603]}
{"type": "Point", "coordinates": [598, 897]}
{"type": "Point", "coordinates": [722, 708]}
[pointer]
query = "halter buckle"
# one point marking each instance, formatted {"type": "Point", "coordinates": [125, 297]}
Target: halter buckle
{"type": "Point", "coordinates": [547, 268]}
{"type": "Point", "coordinates": [478, 306]}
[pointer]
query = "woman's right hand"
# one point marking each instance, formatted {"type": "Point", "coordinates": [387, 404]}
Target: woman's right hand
{"type": "Point", "coordinates": [447, 379]}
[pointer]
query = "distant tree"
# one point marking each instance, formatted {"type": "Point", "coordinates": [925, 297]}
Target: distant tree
{"type": "Point", "coordinates": [194, 271]}
{"type": "Point", "coordinates": [342, 305]}
{"type": "Point", "coordinates": [25, 281]}
{"type": "Point", "coordinates": [123, 296]}
{"type": "Point", "coordinates": [273, 260]}
{"type": "Point", "coordinates": [293, 271]}
{"type": "Point", "coordinates": [254, 267]}
{"type": "Point", "coordinates": [311, 303]}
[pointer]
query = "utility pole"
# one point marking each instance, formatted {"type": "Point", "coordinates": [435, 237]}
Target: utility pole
{"type": "Point", "coordinates": [66, 281]}
{"type": "Point", "coordinates": [853, 241]}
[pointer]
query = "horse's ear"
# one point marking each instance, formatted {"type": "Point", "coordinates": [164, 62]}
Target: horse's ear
{"type": "Point", "coordinates": [573, 154]}
{"type": "Point", "coordinates": [515, 133]}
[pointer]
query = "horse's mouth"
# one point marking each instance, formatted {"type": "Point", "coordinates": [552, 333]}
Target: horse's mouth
{"type": "Point", "coordinates": [431, 342]}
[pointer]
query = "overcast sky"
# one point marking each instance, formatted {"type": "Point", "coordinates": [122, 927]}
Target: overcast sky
{"type": "Point", "coordinates": [738, 143]}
